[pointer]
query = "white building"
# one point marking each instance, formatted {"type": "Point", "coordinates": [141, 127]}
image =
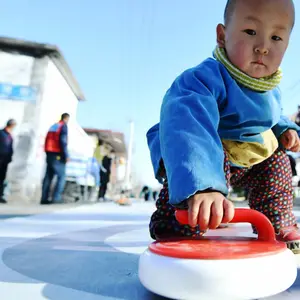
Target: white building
{"type": "Point", "coordinates": [36, 87]}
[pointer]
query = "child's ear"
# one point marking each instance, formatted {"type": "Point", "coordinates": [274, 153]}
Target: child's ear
{"type": "Point", "coordinates": [221, 35]}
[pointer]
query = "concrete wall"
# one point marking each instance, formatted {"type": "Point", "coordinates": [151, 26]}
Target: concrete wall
{"type": "Point", "coordinates": [24, 171]}
{"type": "Point", "coordinates": [59, 98]}
{"type": "Point", "coordinates": [54, 96]}
{"type": "Point", "coordinates": [16, 70]}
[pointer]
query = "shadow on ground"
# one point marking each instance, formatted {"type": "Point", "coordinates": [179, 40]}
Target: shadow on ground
{"type": "Point", "coordinates": [97, 268]}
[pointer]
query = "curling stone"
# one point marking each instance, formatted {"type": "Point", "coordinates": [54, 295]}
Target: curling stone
{"type": "Point", "coordinates": [227, 268]}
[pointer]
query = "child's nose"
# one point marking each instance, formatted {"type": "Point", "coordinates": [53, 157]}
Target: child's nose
{"type": "Point", "coordinates": [261, 50]}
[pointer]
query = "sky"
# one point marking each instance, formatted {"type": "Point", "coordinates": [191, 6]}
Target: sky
{"type": "Point", "coordinates": [126, 53]}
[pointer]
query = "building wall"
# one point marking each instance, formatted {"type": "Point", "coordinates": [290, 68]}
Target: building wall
{"type": "Point", "coordinates": [53, 96]}
{"type": "Point", "coordinates": [24, 171]}
{"type": "Point", "coordinates": [16, 70]}
{"type": "Point", "coordinates": [58, 98]}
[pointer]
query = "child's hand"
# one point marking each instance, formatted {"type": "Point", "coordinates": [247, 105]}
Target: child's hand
{"type": "Point", "coordinates": [209, 210]}
{"type": "Point", "coordinates": [290, 140]}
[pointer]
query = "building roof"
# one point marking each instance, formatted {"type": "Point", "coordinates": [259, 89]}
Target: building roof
{"type": "Point", "coordinates": [115, 139]}
{"type": "Point", "coordinates": [39, 50]}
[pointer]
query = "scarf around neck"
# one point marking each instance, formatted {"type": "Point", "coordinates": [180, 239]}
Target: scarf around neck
{"type": "Point", "coordinates": [256, 84]}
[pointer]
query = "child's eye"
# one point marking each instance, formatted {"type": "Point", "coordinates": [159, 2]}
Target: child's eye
{"type": "Point", "coordinates": [276, 38]}
{"type": "Point", "coordinates": [250, 32]}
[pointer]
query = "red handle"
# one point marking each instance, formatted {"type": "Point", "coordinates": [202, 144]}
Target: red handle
{"type": "Point", "coordinates": [262, 224]}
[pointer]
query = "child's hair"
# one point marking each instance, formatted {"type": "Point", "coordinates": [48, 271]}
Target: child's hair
{"type": "Point", "coordinates": [229, 8]}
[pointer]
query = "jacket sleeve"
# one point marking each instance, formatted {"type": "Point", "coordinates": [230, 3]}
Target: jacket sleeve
{"type": "Point", "coordinates": [63, 138]}
{"type": "Point", "coordinates": [2, 143]}
{"type": "Point", "coordinates": [11, 150]}
{"type": "Point", "coordinates": [191, 148]}
{"type": "Point", "coordinates": [283, 125]}
{"type": "Point", "coordinates": [6, 147]}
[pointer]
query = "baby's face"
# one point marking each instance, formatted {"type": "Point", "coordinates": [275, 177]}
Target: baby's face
{"type": "Point", "coordinates": [257, 35]}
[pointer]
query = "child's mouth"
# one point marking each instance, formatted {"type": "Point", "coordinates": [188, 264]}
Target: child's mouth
{"type": "Point", "coordinates": [259, 62]}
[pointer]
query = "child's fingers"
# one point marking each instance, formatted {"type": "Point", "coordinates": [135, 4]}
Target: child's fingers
{"type": "Point", "coordinates": [293, 141]}
{"type": "Point", "coordinates": [193, 212]}
{"type": "Point", "coordinates": [295, 148]}
{"type": "Point", "coordinates": [204, 214]}
{"type": "Point", "coordinates": [297, 145]}
{"type": "Point", "coordinates": [286, 141]}
{"type": "Point", "coordinates": [228, 211]}
{"type": "Point", "coordinates": [216, 214]}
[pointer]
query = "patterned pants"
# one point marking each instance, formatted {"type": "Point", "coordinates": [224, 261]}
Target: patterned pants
{"type": "Point", "coordinates": [270, 192]}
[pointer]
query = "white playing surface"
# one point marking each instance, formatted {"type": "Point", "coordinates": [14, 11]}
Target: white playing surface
{"type": "Point", "coordinates": [85, 253]}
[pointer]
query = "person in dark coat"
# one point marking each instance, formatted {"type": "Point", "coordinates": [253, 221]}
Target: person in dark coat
{"type": "Point", "coordinates": [154, 195]}
{"type": "Point", "coordinates": [105, 171]}
{"type": "Point", "coordinates": [6, 153]}
{"type": "Point", "coordinates": [145, 193]}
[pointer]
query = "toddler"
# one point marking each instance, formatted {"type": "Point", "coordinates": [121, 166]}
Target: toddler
{"type": "Point", "coordinates": [221, 123]}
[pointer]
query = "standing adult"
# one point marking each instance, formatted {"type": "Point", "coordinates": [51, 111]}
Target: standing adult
{"type": "Point", "coordinates": [6, 153]}
{"type": "Point", "coordinates": [105, 170]}
{"type": "Point", "coordinates": [56, 158]}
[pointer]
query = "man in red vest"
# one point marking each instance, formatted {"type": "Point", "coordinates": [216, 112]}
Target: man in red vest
{"type": "Point", "coordinates": [56, 158]}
